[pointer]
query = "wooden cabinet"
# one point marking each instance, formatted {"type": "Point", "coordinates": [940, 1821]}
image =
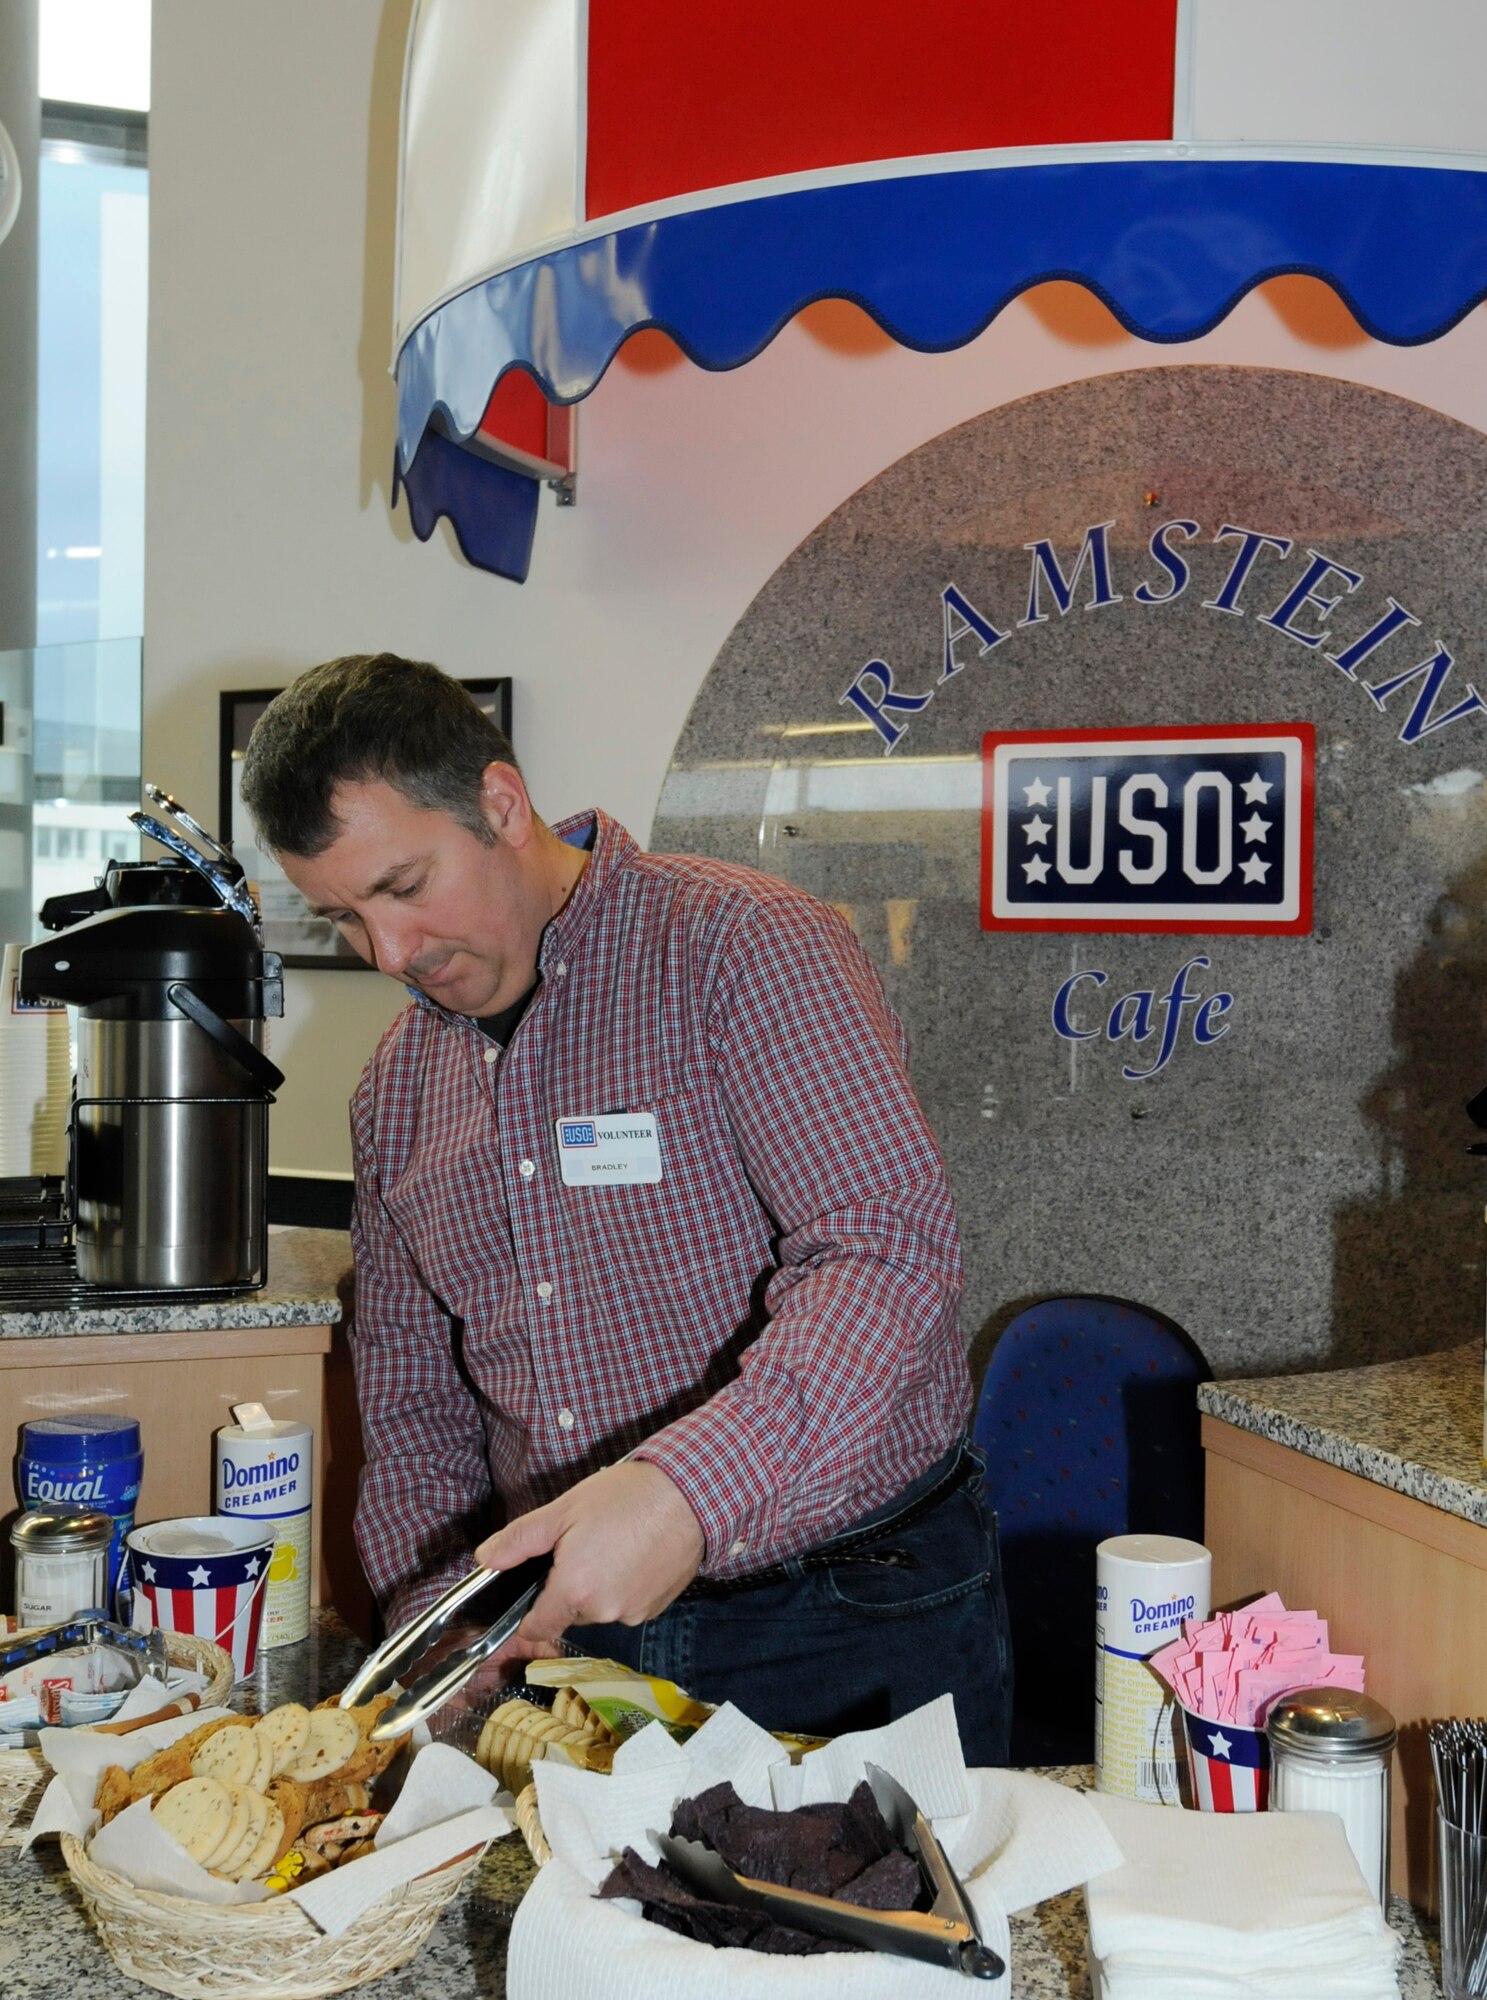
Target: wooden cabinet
{"type": "Point", "coordinates": [181, 1387]}
{"type": "Point", "coordinates": [1399, 1581]}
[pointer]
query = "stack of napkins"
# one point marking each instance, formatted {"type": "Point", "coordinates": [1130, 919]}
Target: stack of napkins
{"type": "Point", "coordinates": [1209, 1905]}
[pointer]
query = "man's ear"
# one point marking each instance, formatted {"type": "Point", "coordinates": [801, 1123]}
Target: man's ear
{"type": "Point", "coordinates": [504, 801]}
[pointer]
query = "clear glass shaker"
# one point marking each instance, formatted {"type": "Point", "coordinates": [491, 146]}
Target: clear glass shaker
{"type": "Point", "coordinates": [61, 1563]}
{"type": "Point", "coordinates": [1330, 1751]}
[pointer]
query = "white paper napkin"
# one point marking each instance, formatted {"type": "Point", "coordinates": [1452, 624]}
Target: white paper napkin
{"type": "Point", "coordinates": [1257, 1903]}
{"type": "Point", "coordinates": [445, 1808]}
{"type": "Point", "coordinates": [1008, 1835]}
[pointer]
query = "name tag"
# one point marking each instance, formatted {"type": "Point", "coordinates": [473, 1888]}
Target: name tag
{"type": "Point", "coordinates": [622, 1147]}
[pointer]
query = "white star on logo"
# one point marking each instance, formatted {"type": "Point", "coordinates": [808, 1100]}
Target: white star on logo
{"type": "Point", "coordinates": [252, 1566]}
{"type": "Point", "coordinates": [1037, 830]}
{"type": "Point", "coordinates": [1256, 791]}
{"type": "Point", "coordinates": [1254, 828]}
{"type": "Point", "coordinates": [1037, 793]}
{"type": "Point", "coordinates": [1036, 870]}
{"type": "Point", "coordinates": [148, 1572]}
{"type": "Point", "coordinates": [1254, 870]}
{"type": "Point", "coordinates": [200, 1576]}
{"type": "Point", "coordinates": [1219, 1744]}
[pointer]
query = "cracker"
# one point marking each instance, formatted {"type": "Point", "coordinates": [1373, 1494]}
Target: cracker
{"type": "Point", "coordinates": [196, 1814]}
{"type": "Point", "coordinates": [229, 1754]}
{"type": "Point", "coordinates": [332, 1739]}
{"type": "Point", "coordinates": [230, 1865]}
{"type": "Point", "coordinates": [286, 1727]}
{"type": "Point", "coordinates": [237, 1826]}
{"type": "Point", "coordinates": [266, 1852]}
{"type": "Point", "coordinates": [293, 1801]}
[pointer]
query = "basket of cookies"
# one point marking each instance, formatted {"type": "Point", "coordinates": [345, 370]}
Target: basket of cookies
{"type": "Point", "coordinates": [193, 1662]}
{"type": "Point", "coordinates": [245, 1855]}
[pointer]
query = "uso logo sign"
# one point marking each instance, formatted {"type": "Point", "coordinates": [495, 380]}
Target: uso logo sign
{"type": "Point", "coordinates": [1148, 830]}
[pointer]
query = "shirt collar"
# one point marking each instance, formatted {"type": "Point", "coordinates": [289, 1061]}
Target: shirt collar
{"type": "Point", "coordinates": [610, 849]}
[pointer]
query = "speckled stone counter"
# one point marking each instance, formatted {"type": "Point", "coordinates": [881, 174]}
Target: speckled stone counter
{"type": "Point", "coordinates": [48, 1950]}
{"type": "Point", "coordinates": [1412, 1426]}
{"type": "Point", "coordinates": [306, 1272]}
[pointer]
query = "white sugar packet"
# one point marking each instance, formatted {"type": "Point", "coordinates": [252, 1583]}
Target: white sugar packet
{"type": "Point", "coordinates": [1015, 1840]}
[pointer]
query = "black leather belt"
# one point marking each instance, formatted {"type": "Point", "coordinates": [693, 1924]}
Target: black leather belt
{"type": "Point", "coordinates": [854, 1545]}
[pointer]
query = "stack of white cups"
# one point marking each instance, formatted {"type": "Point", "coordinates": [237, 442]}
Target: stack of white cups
{"type": "Point", "coordinates": [35, 1079]}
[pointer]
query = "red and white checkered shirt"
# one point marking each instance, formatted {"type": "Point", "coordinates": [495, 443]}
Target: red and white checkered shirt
{"type": "Point", "coordinates": [776, 1315]}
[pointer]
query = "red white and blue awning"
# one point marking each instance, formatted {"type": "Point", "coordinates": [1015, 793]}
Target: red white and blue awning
{"type": "Point", "coordinates": [575, 170]}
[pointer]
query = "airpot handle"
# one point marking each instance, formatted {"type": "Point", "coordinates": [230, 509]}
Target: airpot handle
{"type": "Point", "coordinates": [236, 1047]}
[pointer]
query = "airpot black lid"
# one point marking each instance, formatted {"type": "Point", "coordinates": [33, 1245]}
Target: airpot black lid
{"type": "Point", "coordinates": [137, 953]}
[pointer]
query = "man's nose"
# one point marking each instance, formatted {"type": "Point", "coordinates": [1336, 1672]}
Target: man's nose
{"type": "Point", "coordinates": [395, 943]}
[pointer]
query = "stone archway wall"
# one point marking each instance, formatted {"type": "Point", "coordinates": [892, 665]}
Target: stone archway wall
{"type": "Point", "coordinates": [1293, 1189]}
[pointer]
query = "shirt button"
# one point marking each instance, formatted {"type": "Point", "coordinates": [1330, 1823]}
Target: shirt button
{"type": "Point", "coordinates": [737, 1548]}
{"type": "Point", "coordinates": [527, 1169]}
{"type": "Point", "coordinates": [544, 1290]}
{"type": "Point", "coordinates": [560, 970]}
{"type": "Point", "coordinates": [567, 1419]}
{"type": "Point", "coordinates": [491, 1055]}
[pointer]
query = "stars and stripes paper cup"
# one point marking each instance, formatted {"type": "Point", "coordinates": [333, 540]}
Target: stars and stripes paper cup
{"type": "Point", "coordinates": [205, 1576]}
{"type": "Point", "coordinates": [1229, 1766]}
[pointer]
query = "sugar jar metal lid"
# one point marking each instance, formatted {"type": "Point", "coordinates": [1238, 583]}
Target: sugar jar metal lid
{"type": "Point", "coordinates": [54, 1531]}
{"type": "Point", "coordinates": [1330, 1723]}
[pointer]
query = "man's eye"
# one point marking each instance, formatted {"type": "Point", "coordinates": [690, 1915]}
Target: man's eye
{"type": "Point", "coordinates": [408, 889]}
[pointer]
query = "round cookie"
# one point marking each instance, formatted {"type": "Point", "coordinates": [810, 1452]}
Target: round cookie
{"type": "Point", "coordinates": [230, 1755]}
{"type": "Point", "coordinates": [287, 1727]}
{"type": "Point", "coordinates": [196, 1813]}
{"type": "Point", "coordinates": [231, 1864]}
{"type": "Point", "coordinates": [237, 1826]}
{"type": "Point", "coordinates": [266, 1852]}
{"type": "Point", "coordinates": [331, 1738]}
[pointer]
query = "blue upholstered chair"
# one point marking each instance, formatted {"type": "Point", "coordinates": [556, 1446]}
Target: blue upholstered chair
{"type": "Point", "coordinates": [1089, 1421]}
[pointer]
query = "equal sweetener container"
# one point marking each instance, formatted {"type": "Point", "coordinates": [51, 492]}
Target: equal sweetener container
{"type": "Point", "coordinates": [76, 1463]}
{"type": "Point", "coordinates": [1145, 1586]}
{"type": "Point", "coordinates": [266, 1472]}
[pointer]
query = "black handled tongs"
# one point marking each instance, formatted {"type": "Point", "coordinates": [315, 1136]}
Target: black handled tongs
{"type": "Point", "coordinates": [385, 1667]}
{"type": "Point", "coordinates": [946, 1935]}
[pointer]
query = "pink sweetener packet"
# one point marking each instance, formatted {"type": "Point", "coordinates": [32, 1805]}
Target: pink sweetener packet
{"type": "Point", "coordinates": [1163, 1662]}
{"type": "Point", "coordinates": [1261, 1687]}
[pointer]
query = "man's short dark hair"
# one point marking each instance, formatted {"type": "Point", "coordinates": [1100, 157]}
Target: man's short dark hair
{"type": "Point", "coordinates": [369, 715]}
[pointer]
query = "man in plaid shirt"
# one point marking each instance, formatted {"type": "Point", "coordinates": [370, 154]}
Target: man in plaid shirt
{"type": "Point", "coordinates": [656, 1262]}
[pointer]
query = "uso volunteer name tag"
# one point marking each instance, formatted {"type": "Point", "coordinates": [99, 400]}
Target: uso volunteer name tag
{"type": "Point", "coordinates": [622, 1147]}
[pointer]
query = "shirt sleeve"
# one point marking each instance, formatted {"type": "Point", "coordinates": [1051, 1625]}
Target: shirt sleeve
{"type": "Point", "coordinates": [425, 1496]}
{"type": "Point", "coordinates": [863, 1319]}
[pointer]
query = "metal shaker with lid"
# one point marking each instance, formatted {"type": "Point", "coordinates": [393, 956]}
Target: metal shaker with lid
{"type": "Point", "coordinates": [61, 1562]}
{"type": "Point", "coordinates": [1330, 1751]}
{"type": "Point", "coordinates": [169, 1159]}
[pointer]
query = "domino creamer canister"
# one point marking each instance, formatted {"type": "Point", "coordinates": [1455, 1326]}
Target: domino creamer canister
{"type": "Point", "coordinates": [266, 1472]}
{"type": "Point", "coordinates": [1145, 1586]}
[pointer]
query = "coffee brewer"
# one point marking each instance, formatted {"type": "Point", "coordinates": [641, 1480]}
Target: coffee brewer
{"type": "Point", "coordinates": [168, 1170]}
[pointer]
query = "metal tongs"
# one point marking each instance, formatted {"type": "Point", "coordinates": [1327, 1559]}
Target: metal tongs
{"type": "Point", "coordinates": [89, 1628]}
{"type": "Point", "coordinates": [947, 1935]}
{"type": "Point", "coordinates": [385, 1667]}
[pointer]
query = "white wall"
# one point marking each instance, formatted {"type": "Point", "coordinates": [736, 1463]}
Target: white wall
{"type": "Point", "coordinates": [269, 541]}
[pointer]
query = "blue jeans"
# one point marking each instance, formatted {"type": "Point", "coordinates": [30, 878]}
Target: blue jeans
{"type": "Point", "coordinates": [856, 1643]}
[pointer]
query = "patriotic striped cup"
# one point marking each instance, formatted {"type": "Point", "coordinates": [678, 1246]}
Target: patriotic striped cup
{"type": "Point", "coordinates": [205, 1576]}
{"type": "Point", "coordinates": [1229, 1766]}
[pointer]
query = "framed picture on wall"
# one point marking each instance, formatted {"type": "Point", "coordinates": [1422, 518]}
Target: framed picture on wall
{"type": "Point", "coordinates": [302, 940]}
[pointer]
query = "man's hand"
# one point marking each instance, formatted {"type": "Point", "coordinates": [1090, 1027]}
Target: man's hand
{"type": "Point", "coordinates": [624, 1543]}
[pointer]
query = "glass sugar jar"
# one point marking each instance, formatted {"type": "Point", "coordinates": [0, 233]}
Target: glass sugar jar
{"type": "Point", "coordinates": [61, 1563]}
{"type": "Point", "coordinates": [1330, 1751]}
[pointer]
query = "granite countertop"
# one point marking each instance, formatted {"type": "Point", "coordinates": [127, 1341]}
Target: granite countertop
{"type": "Point", "coordinates": [1414, 1426]}
{"type": "Point", "coordinates": [49, 1951]}
{"type": "Point", "coordinates": [307, 1269]}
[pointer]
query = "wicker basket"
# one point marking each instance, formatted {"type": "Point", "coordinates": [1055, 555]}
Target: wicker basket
{"type": "Point", "coordinates": [23, 1775]}
{"type": "Point", "coordinates": [255, 1951]}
